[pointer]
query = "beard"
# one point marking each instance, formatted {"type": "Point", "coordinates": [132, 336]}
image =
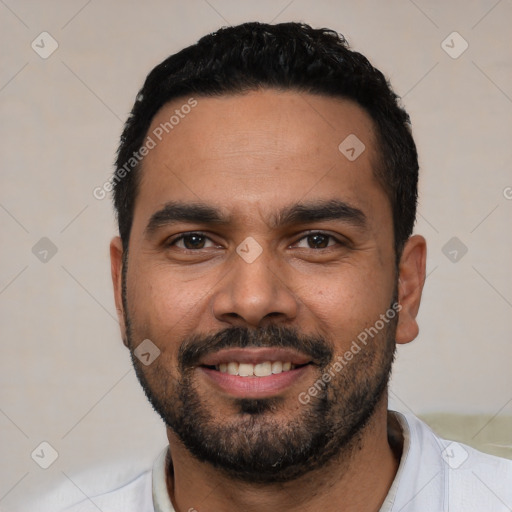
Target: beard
{"type": "Point", "coordinates": [251, 444]}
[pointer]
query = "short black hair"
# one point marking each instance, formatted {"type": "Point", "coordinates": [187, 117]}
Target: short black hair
{"type": "Point", "coordinates": [284, 56]}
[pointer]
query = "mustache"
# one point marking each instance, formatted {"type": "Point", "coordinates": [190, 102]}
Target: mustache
{"type": "Point", "coordinates": [196, 347]}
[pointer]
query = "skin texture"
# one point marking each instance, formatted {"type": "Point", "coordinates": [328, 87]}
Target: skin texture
{"type": "Point", "coordinates": [251, 156]}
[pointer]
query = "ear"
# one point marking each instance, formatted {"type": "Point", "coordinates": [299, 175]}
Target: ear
{"type": "Point", "coordinates": [116, 267]}
{"type": "Point", "coordinates": [410, 286]}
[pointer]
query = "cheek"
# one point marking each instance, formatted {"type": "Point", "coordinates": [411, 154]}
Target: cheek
{"type": "Point", "coordinates": [162, 307]}
{"type": "Point", "coordinates": [344, 302]}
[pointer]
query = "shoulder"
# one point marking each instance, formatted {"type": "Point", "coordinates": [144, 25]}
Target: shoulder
{"type": "Point", "coordinates": [134, 495]}
{"type": "Point", "coordinates": [121, 486]}
{"type": "Point", "coordinates": [477, 479]}
{"type": "Point", "coordinates": [464, 479]}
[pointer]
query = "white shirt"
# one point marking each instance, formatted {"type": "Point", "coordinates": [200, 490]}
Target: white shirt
{"type": "Point", "coordinates": [434, 475]}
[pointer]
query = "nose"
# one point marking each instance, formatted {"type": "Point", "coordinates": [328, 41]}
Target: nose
{"type": "Point", "coordinates": [254, 294]}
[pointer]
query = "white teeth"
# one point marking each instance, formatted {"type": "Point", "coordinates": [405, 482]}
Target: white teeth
{"type": "Point", "coordinates": [259, 370]}
{"type": "Point", "coordinates": [233, 368]}
{"type": "Point", "coordinates": [263, 369]}
{"type": "Point", "coordinates": [277, 367]}
{"type": "Point", "coordinates": [245, 370]}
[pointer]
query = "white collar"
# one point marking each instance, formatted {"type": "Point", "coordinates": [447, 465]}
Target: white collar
{"type": "Point", "coordinates": [162, 501]}
{"type": "Point", "coordinates": [406, 437]}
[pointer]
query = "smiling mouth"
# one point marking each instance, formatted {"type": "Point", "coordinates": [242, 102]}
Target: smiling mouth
{"type": "Point", "coordinates": [263, 369]}
{"type": "Point", "coordinates": [255, 372]}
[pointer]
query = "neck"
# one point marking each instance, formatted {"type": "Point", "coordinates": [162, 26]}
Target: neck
{"type": "Point", "coordinates": [358, 480]}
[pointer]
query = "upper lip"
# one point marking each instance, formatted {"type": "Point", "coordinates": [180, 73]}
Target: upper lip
{"type": "Point", "coordinates": [255, 355]}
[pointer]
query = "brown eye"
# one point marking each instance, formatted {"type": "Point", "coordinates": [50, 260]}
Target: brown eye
{"type": "Point", "coordinates": [317, 241]}
{"type": "Point", "coordinates": [192, 241]}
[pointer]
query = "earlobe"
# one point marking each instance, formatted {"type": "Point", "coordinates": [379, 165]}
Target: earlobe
{"type": "Point", "coordinates": [116, 268]}
{"type": "Point", "coordinates": [410, 286]}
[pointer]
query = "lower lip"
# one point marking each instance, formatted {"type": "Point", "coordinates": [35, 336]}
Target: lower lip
{"type": "Point", "coordinates": [254, 387]}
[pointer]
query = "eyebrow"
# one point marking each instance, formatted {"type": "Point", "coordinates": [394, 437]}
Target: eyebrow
{"type": "Point", "coordinates": [300, 213]}
{"type": "Point", "coordinates": [303, 213]}
{"type": "Point", "coordinates": [173, 212]}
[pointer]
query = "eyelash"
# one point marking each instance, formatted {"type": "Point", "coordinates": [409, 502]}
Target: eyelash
{"type": "Point", "coordinates": [174, 241]}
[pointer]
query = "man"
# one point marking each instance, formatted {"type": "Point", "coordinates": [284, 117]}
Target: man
{"type": "Point", "coordinates": [266, 189]}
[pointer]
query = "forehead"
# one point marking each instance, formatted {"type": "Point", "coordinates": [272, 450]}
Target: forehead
{"type": "Point", "coordinates": [252, 152]}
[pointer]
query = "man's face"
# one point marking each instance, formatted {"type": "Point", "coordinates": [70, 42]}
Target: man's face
{"type": "Point", "coordinates": [293, 260]}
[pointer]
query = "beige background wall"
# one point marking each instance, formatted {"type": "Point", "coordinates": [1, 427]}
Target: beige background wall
{"type": "Point", "coordinates": [65, 376]}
